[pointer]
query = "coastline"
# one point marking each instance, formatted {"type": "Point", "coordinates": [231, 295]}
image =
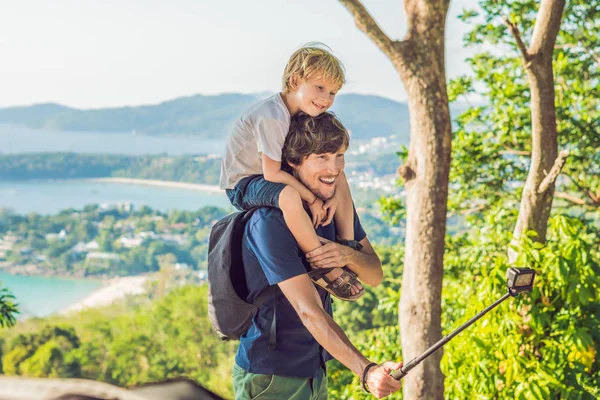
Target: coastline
{"type": "Point", "coordinates": [31, 269]}
{"type": "Point", "coordinates": [155, 182]}
{"type": "Point", "coordinates": [112, 290]}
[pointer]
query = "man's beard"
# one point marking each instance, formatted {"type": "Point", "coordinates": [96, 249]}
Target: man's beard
{"type": "Point", "coordinates": [316, 192]}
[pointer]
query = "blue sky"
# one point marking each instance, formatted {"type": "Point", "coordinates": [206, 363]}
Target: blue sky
{"type": "Point", "coordinates": [91, 54]}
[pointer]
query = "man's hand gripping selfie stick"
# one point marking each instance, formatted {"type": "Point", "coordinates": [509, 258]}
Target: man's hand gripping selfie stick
{"type": "Point", "coordinates": [518, 280]}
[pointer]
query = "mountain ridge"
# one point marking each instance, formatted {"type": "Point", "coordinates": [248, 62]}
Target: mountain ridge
{"type": "Point", "coordinates": [206, 116]}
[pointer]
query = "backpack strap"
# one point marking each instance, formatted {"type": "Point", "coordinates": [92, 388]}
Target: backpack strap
{"type": "Point", "coordinates": [273, 330]}
{"type": "Point", "coordinates": [259, 301]}
{"type": "Point", "coordinates": [262, 297]}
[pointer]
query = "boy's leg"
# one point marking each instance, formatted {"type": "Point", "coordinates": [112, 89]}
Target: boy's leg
{"type": "Point", "coordinates": [344, 215]}
{"type": "Point", "coordinates": [255, 191]}
{"type": "Point", "coordinates": [299, 223]}
{"type": "Point", "coordinates": [297, 220]}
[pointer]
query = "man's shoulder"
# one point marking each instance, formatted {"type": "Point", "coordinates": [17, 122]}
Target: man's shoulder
{"type": "Point", "coordinates": [266, 219]}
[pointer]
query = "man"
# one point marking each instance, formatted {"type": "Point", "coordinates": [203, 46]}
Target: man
{"type": "Point", "coordinates": [306, 336]}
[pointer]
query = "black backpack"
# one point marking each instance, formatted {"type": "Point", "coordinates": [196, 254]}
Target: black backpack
{"type": "Point", "coordinates": [228, 311]}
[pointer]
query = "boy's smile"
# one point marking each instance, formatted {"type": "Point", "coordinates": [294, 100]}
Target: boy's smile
{"type": "Point", "coordinates": [312, 96]}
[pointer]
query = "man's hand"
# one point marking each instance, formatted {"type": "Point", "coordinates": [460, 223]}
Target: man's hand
{"type": "Point", "coordinates": [379, 381]}
{"type": "Point", "coordinates": [331, 254]}
{"type": "Point", "coordinates": [318, 212]}
{"type": "Point", "coordinates": [330, 207]}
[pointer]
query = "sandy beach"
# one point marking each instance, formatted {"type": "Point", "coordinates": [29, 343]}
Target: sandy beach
{"type": "Point", "coordinates": [154, 182]}
{"type": "Point", "coordinates": [114, 289]}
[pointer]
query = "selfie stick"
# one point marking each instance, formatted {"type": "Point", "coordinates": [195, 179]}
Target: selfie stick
{"type": "Point", "coordinates": [519, 280]}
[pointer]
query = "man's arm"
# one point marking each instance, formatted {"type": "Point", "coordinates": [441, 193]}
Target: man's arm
{"type": "Point", "coordinates": [305, 299]}
{"type": "Point", "coordinates": [365, 262]}
{"type": "Point", "coordinates": [273, 173]}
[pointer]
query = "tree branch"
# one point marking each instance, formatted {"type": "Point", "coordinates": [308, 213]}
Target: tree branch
{"type": "Point", "coordinates": [595, 199]}
{"type": "Point", "coordinates": [365, 22]}
{"type": "Point", "coordinates": [546, 27]}
{"type": "Point", "coordinates": [510, 150]}
{"type": "Point", "coordinates": [554, 172]}
{"type": "Point", "coordinates": [571, 198]}
{"type": "Point", "coordinates": [579, 46]}
{"type": "Point", "coordinates": [517, 35]}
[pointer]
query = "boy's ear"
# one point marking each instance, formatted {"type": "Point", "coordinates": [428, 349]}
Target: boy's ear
{"type": "Point", "coordinates": [294, 81]}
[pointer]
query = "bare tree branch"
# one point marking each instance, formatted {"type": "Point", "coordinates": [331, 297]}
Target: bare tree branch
{"type": "Point", "coordinates": [366, 23]}
{"type": "Point", "coordinates": [517, 35]}
{"type": "Point", "coordinates": [571, 198]}
{"type": "Point", "coordinates": [595, 199]}
{"type": "Point", "coordinates": [579, 46]}
{"type": "Point", "coordinates": [594, 56]}
{"type": "Point", "coordinates": [554, 172]}
{"type": "Point", "coordinates": [510, 150]}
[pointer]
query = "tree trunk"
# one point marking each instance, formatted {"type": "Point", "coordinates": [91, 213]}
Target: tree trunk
{"type": "Point", "coordinates": [538, 192]}
{"type": "Point", "coordinates": [419, 59]}
{"type": "Point", "coordinates": [426, 176]}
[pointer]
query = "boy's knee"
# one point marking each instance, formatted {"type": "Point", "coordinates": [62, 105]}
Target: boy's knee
{"type": "Point", "coordinates": [289, 199]}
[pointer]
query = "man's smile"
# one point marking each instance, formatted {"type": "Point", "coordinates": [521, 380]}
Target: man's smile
{"type": "Point", "coordinates": [329, 181]}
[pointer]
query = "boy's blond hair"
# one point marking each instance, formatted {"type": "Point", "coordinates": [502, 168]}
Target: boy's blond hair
{"type": "Point", "coordinates": [314, 59]}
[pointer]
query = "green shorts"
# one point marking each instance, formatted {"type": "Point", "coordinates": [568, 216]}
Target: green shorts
{"type": "Point", "coordinates": [249, 386]}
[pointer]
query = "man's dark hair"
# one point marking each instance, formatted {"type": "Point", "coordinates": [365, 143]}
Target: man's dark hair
{"type": "Point", "coordinates": [313, 135]}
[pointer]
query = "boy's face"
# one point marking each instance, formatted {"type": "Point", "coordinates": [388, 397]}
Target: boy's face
{"type": "Point", "coordinates": [314, 95]}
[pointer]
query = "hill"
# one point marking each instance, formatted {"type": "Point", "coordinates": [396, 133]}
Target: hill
{"type": "Point", "coordinates": [205, 116]}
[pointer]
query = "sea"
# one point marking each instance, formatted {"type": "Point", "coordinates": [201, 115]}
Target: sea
{"type": "Point", "coordinates": [21, 139]}
{"type": "Point", "coordinates": [41, 296]}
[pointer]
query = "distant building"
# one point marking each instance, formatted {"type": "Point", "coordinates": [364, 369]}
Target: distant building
{"type": "Point", "coordinates": [102, 256]}
{"type": "Point", "coordinates": [91, 246]}
{"type": "Point", "coordinates": [171, 238]}
{"type": "Point", "coordinates": [129, 242]}
{"type": "Point", "coordinates": [78, 248]}
{"type": "Point", "coordinates": [202, 275]}
{"type": "Point", "coordinates": [179, 225]}
{"type": "Point", "coordinates": [56, 236]}
{"type": "Point", "coordinates": [147, 235]}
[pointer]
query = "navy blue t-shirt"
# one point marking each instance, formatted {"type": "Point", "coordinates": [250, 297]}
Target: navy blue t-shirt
{"type": "Point", "coordinates": [271, 255]}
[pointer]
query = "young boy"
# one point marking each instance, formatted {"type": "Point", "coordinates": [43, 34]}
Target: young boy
{"type": "Point", "coordinates": [251, 167]}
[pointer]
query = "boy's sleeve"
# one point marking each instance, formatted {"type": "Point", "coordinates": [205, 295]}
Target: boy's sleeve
{"type": "Point", "coordinates": [273, 245]}
{"type": "Point", "coordinates": [270, 136]}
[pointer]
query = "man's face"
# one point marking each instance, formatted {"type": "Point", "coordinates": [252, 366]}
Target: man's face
{"type": "Point", "coordinates": [320, 173]}
{"type": "Point", "coordinates": [314, 95]}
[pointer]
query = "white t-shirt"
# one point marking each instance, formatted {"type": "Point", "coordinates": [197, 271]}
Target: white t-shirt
{"type": "Point", "coordinates": [261, 129]}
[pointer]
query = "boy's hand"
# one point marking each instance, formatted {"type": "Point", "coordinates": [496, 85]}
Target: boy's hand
{"type": "Point", "coordinates": [317, 211]}
{"type": "Point", "coordinates": [330, 208]}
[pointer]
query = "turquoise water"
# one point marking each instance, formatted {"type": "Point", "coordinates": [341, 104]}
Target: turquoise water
{"type": "Point", "coordinates": [45, 197]}
{"type": "Point", "coordinates": [20, 139]}
{"type": "Point", "coordinates": [39, 296]}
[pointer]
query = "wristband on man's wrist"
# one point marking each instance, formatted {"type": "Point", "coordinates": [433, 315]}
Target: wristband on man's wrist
{"type": "Point", "coordinates": [354, 244]}
{"type": "Point", "coordinates": [363, 380]}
